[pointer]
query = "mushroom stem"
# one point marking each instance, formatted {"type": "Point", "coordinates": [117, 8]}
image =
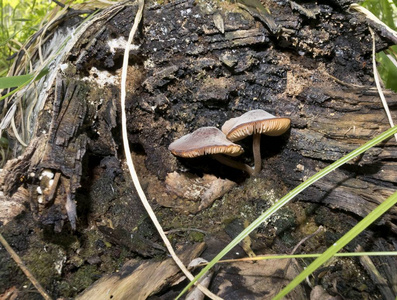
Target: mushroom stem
{"type": "Point", "coordinates": [256, 148]}
{"type": "Point", "coordinates": [232, 163]}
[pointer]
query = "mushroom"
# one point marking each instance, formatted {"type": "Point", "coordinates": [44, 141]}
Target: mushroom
{"type": "Point", "coordinates": [209, 141]}
{"type": "Point", "coordinates": [255, 122]}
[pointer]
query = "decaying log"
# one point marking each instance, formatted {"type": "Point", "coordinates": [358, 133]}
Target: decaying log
{"type": "Point", "coordinates": [200, 63]}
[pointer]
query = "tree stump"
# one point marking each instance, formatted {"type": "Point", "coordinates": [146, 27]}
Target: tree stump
{"type": "Point", "coordinates": [195, 64]}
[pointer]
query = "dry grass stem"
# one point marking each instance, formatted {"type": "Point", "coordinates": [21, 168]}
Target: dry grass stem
{"type": "Point", "coordinates": [377, 82]}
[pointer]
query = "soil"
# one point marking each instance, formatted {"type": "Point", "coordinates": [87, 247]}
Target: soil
{"type": "Point", "coordinates": [200, 63]}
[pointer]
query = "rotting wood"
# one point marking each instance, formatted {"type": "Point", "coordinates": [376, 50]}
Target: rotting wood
{"type": "Point", "coordinates": [139, 280]}
{"type": "Point", "coordinates": [188, 74]}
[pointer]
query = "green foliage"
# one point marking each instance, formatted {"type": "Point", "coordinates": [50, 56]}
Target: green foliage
{"type": "Point", "coordinates": [387, 69]}
{"type": "Point", "coordinates": [386, 11]}
{"type": "Point", "coordinates": [19, 19]}
{"type": "Point", "coordinates": [16, 81]}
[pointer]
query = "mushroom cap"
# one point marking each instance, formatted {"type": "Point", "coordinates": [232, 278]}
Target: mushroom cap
{"type": "Point", "coordinates": [205, 140]}
{"type": "Point", "coordinates": [255, 121]}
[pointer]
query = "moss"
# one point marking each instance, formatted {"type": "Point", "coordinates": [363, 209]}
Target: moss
{"type": "Point", "coordinates": [288, 239]}
{"type": "Point", "coordinates": [287, 220]}
{"type": "Point", "coordinates": [91, 248]}
{"type": "Point", "coordinates": [196, 236]}
{"type": "Point", "coordinates": [10, 273]}
{"type": "Point", "coordinates": [45, 262]}
{"type": "Point", "coordinates": [84, 277]}
{"type": "Point", "coordinates": [64, 239]}
{"type": "Point", "coordinates": [65, 289]}
{"type": "Point", "coordinates": [173, 238]}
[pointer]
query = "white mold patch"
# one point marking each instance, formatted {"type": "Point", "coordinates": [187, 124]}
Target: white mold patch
{"type": "Point", "coordinates": [101, 78]}
{"type": "Point", "coordinates": [119, 44]}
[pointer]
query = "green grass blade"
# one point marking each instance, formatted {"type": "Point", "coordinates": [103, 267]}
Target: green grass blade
{"type": "Point", "coordinates": [343, 241]}
{"type": "Point", "coordinates": [387, 134]}
{"type": "Point", "coordinates": [16, 81]}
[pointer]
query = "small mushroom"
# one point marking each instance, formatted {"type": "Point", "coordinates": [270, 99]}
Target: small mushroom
{"type": "Point", "coordinates": [209, 141]}
{"type": "Point", "coordinates": [255, 122]}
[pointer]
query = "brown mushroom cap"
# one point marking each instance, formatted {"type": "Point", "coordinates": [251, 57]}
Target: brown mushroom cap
{"type": "Point", "coordinates": [205, 140]}
{"type": "Point", "coordinates": [255, 121]}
